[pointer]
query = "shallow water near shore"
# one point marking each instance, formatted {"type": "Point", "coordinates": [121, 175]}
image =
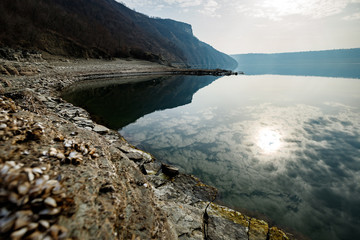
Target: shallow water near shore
{"type": "Point", "coordinates": [287, 147]}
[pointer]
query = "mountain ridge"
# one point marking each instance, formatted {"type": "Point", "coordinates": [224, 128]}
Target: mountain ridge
{"type": "Point", "coordinates": [103, 28]}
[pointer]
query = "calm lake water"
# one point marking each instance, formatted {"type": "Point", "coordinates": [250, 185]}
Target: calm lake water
{"type": "Point", "coordinates": [286, 147]}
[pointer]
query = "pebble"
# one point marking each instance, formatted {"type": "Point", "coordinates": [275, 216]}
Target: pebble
{"type": "Point", "coordinates": [44, 223]}
{"type": "Point", "coordinates": [18, 234]}
{"type": "Point", "coordinates": [50, 201]}
{"type": "Point", "coordinates": [36, 191]}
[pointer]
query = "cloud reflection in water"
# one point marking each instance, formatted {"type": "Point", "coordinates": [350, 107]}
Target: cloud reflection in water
{"type": "Point", "coordinates": [297, 163]}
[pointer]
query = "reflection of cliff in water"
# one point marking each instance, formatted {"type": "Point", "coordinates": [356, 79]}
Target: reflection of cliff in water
{"type": "Point", "coordinates": [116, 104]}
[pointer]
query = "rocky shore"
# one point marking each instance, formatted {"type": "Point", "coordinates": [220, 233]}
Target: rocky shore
{"type": "Point", "coordinates": [63, 176]}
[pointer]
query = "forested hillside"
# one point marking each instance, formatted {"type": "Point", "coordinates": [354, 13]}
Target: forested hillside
{"type": "Point", "coordinates": [102, 28]}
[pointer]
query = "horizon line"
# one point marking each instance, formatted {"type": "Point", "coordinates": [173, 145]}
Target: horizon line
{"type": "Point", "coordinates": [304, 51]}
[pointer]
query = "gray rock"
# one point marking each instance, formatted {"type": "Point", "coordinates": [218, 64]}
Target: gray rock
{"type": "Point", "coordinates": [100, 129]}
{"type": "Point", "coordinates": [135, 156]}
{"type": "Point", "coordinates": [4, 71]}
{"type": "Point", "coordinates": [152, 167]}
{"type": "Point", "coordinates": [81, 119]}
{"type": "Point", "coordinates": [125, 148]}
{"type": "Point", "coordinates": [223, 229]}
{"type": "Point", "coordinates": [180, 214]}
{"type": "Point", "coordinates": [170, 171]}
{"type": "Point", "coordinates": [42, 98]}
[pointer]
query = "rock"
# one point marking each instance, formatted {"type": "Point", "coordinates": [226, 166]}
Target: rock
{"type": "Point", "coordinates": [38, 188]}
{"type": "Point", "coordinates": [135, 156]}
{"type": "Point", "coordinates": [223, 229]}
{"type": "Point", "coordinates": [12, 70]}
{"type": "Point", "coordinates": [185, 199]}
{"type": "Point", "coordinates": [42, 98]}
{"type": "Point", "coordinates": [4, 71]}
{"type": "Point", "coordinates": [105, 188]}
{"type": "Point", "coordinates": [142, 169]}
{"type": "Point", "coordinates": [125, 148]}
{"type": "Point", "coordinates": [225, 223]}
{"type": "Point", "coordinates": [18, 234]}
{"type": "Point", "coordinates": [258, 229]}
{"type": "Point", "coordinates": [28, 74]}
{"type": "Point", "coordinates": [28, 71]}
{"type": "Point", "coordinates": [19, 55]}
{"type": "Point", "coordinates": [227, 213]}
{"type": "Point", "coordinates": [84, 122]}
{"type": "Point", "coordinates": [277, 234]}
{"type": "Point", "coordinates": [152, 167]}
{"type": "Point", "coordinates": [50, 201]}
{"type": "Point", "coordinates": [80, 119]}
{"type": "Point", "coordinates": [184, 189]}
{"type": "Point", "coordinates": [170, 171]}
{"type": "Point", "coordinates": [180, 214]}
{"type": "Point", "coordinates": [5, 82]}
{"type": "Point", "coordinates": [100, 129]}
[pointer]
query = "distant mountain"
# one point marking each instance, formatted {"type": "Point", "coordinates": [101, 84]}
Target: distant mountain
{"type": "Point", "coordinates": [103, 28]}
{"type": "Point", "coordinates": [331, 63]}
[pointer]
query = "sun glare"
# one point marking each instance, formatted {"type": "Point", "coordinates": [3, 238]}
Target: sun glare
{"type": "Point", "coordinates": [268, 140]}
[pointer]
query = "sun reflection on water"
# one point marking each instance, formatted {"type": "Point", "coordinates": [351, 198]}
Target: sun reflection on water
{"type": "Point", "coordinates": [268, 140]}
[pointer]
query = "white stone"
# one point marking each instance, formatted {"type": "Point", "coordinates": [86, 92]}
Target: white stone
{"type": "Point", "coordinates": [100, 129]}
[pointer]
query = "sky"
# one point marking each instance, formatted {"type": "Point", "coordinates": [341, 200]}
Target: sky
{"type": "Point", "coordinates": [263, 26]}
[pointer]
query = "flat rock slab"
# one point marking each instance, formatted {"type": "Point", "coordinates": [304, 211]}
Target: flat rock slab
{"type": "Point", "coordinates": [135, 156]}
{"type": "Point", "coordinates": [170, 171]}
{"type": "Point", "coordinates": [223, 229]}
{"type": "Point", "coordinates": [100, 129]}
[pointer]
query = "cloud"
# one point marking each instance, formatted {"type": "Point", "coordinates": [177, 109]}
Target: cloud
{"type": "Point", "coordinates": [275, 10]}
{"type": "Point", "coordinates": [315, 170]}
{"type": "Point", "coordinates": [184, 3]}
{"type": "Point", "coordinates": [210, 8]}
{"type": "Point", "coordinates": [206, 7]}
{"type": "Point", "coordinates": [169, 3]}
{"type": "Point", "coordinates": [155, 3]}
{"type": "Point", "coordinates": [278, 9]}
{"type": "Point", "coordinates": [352, 17]}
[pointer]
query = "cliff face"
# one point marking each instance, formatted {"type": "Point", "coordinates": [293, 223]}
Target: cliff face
{"type": "Point", "coordinates": [103, 28]}
{"type": "Point", "coordinates": [197, 53]}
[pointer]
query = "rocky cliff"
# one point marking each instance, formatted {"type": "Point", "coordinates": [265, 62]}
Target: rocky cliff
{"type": "Point", "coordinates": [103, 28]}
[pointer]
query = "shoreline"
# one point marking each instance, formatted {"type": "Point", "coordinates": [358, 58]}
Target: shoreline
{"type": "Point", "coordinates": [196, 72]}
{"type": "Point", "coordinates": [133, 194]}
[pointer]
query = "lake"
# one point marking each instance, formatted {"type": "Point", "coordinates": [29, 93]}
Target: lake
{"type": "Point", "coordinates": [279, 146]}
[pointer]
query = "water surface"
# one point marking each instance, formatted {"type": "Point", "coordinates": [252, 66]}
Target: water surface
{"type": "Point", "coordinates": [287, 147]}
{"type": "Point", "coordinates": [329, 63]}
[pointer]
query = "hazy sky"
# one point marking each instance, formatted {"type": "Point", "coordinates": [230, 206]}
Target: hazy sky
{"type": "Point", "coordinates": [245, 26]}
